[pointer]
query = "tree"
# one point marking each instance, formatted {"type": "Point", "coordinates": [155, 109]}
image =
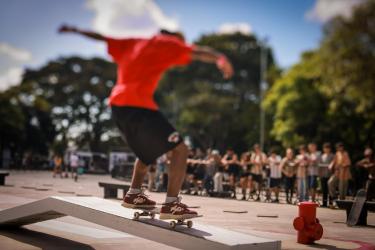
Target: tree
{"type": "Point", "coordinates": [297, 104]}
{"type": "Point", "coordinates": [77, 90]}
{"type": "Point", "coordinates": [329, 95]}
{"type": "Point", "coordinates": [348, 65]}
{"type": "Point", "coordinates": [214, 112]}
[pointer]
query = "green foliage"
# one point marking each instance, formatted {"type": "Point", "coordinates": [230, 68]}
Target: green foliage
{"type": "Point", "coordinates": [11, 122]}
{"type": "Point", "coordinates": [64, 100]}
{"type": "Point", "coordinates": [212, 111]}
{"type": "Point", "coordinates": [330, 94]}
{"type": "Point", "coordinates": [348, 60]}
{"type": "Point", "coordinates": [297, 104]}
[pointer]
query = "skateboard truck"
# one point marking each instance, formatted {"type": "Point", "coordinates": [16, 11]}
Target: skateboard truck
{"type": "Point", "coordinates": [144, 213]}
{"type": "Point", "coordinates": [175, 223]}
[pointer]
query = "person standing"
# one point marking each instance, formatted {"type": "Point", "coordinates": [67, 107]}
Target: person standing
{"type": "Point", "coordinates": [274, 163]}
{"type": "Point", "coordinates": [57, 165]}
{"type": "Point", "coordinates": [211, 168]}
{"type": "Point", "coordinates": [141, 63]}
{"type": "Point", "coordinates": [302, 160]}
{"type": "Point", "coordinates": [219, 175]}
{"type": "Point", "coordinates": [74, 165]}
{"type": "Point", "coordinates": [288, 168]}
{"type": "Point", "coordinates": [312, 170]}
{"type": "Point", "coordinates": [258, 160]}
{"type": "Point", "coordinates": [324, 172]}
{"type": "Point", "coordinates": [245, 173]}
{"type": "Point", "coordinates": [341, 167]}
{"type": "Point", "coordinates": [231, 165]}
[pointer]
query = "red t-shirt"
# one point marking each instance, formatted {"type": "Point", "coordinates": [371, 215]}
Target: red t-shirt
{"type": "Point", "coordinates": [141, 62]}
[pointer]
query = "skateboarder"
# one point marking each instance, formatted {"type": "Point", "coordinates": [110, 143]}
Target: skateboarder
{"type": "Point", "coordinates": [141, 63]}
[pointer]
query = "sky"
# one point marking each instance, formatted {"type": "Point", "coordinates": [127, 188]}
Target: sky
{"type": "Point", "coordinates": [29, 38]}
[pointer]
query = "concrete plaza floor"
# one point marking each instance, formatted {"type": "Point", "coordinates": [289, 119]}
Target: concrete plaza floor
{"type": "Point", "coordinates": [72, 233]}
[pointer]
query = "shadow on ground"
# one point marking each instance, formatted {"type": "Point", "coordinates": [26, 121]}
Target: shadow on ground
{"type": "Point", "coordinates": [41, 240]}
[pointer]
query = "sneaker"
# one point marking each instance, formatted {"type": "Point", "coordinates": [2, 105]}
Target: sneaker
{"type": "Point", "coordinates": [176, 211]}
{"type": "Point", "coordinates": [139, 200]}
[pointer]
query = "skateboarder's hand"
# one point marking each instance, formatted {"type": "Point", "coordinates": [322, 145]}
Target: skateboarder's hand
{"type": "Point", "coordinates": [66, 28]}
{"type": "Point", "coordinates": [225, 67]}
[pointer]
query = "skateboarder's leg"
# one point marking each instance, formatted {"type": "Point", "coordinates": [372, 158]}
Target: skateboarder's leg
{"type": "Point", "coordinates": [173, 208]}
{"type": "Point", "coordinates": [135, 198]}
{"type": "Point", "coordinates": [139, 173]}
{"type": "Point", "coordinates": [177, 169]}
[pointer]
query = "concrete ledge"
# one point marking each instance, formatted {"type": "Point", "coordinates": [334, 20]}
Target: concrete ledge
{"type": "Point", "coordinates": [111, 214]}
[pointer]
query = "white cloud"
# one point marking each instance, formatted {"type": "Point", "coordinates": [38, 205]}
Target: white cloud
{"type": "Point", "coordinates": [13, 53]}
{"type": "Point", "coordinates": [324, 10]}
{"type": "Point", "coordinates": [11, 64]}
{"type": "Point", "coordinates": [230, 28]}
{"type": "Point", "coordinates": [10, 77]}
{"type": "Point", "coordinates": [129, 17]}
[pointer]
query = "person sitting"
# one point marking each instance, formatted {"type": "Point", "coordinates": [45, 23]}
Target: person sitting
{"type": "Point", "coordinates": [369, 164]}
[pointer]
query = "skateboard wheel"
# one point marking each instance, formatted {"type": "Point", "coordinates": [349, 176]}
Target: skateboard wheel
{"type": "Point", "coordinates": [172, 224]}
{"type": "Point", "coordinates": [189, 224]}
{"type": "Point", "coordinates": [136, 215]}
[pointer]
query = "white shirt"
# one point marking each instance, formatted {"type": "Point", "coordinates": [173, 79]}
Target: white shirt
{"type": "Point", "coordinates": [314, 158]}
{"type": "Point", "coordinates": [74, 161]}
{"type": "Point", "coordinates": [274, 164]}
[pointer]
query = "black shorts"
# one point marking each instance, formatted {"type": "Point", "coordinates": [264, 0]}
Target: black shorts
{"type": "Point", "coordinates": [245, 174]}
{"type": "Point", "coordinates": [233, 170]}
{"type": "Point", "coordinates": [257, 177]}
{"type": "Point", "coordinates": [190, 169]}
{"type": "Point", "coordinates": [275, 182]}
{"type": "Point", "coordinates": [147, 132]}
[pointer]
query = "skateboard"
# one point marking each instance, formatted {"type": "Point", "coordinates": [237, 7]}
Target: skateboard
{"type": "Point", "coordinates": [152, 212]}
{"type": "Point", "coordinates": [356, 209]}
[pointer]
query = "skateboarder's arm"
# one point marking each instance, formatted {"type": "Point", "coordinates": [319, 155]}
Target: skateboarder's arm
{"type": "Point", "coordinates": [209, 55]}
{"type": "Point", "coordinates": [89, 34]}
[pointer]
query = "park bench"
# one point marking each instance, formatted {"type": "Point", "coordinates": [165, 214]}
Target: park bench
{"type": "Point", "coordinates": [223, 194]}
{"type": "Point", "coordinates": [110, 189]}
{"type": "Point", "coordinates": [347, 205]}
{"type": "Point", "coordinates": [3, 174]}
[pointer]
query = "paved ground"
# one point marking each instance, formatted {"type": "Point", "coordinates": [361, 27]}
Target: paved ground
{"type": "Point", "coordinates": [71, 233]}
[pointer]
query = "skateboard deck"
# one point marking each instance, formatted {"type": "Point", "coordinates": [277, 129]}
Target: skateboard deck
{"type": "Point", "coordinates": [152, 212]}
{"type": "Point", "coordinates": [356, 209]}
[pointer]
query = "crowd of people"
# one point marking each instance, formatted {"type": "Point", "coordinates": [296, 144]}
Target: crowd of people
{"type": "Point", "coordinates": [308, 174]}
